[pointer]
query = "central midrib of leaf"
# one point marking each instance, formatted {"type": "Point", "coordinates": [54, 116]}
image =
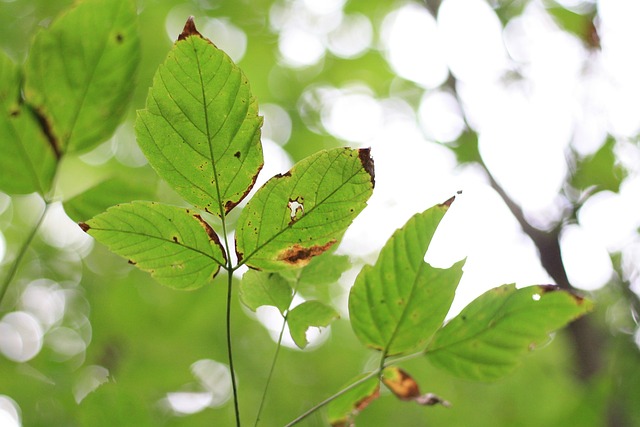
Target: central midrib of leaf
{"type": "Point", "coordinates": [147, 236]}
{"type": "Point", "coordinates": [290, 225]}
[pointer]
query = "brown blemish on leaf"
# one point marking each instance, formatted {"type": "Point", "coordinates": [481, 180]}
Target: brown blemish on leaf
{"type": "Point", "coordinates": [553, 288]}
{"type": "Point", "coordinates": [366, 401]}
{"type": "Point", "coordinates": [47, 130]}
{"type": "Point", "coordinates": [367, 163]}
{"type": "Point", "coordinates": [447, 203]}
{"type": "Point", "coordinates": [236, 155]}
{"type": "Point", "coordinates": [14, 113]}
{"type": "Point", "coordinates": [300, 256]}
{"type": "Point", "coordinates": [231, 203]}
{"type": "Point", "coordinates": [401, 384]}
{"type": "Point", "coordinates": [84, 226]}
{"type": "Point", "coordinates": [431, 399]}
{"type": "Point", "coordinates": [190, 30]}
{"type": "Point", "coordinates": [175, 239]}
{"type": "Point", "coordinates": [132, 262]}
{"type": "Point", "coordinates": [119, 38]}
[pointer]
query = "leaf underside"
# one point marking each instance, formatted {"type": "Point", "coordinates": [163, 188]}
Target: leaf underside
{"type": "Point", "coordinates": [174, 244]}
{"type": "Point", "coordinates": [304, 212]}
{"type": "Point", "coordinates": [397, 305]}
{"type": "Point", "coordinates": [487, 339]}
{"type": "Point", "coordinates": [259, 288]}
{"type": "Point", "coordinates": [200, 129]}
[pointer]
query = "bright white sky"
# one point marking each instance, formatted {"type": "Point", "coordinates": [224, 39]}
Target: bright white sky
{"type": "Point", "coordinates": [567, 95]}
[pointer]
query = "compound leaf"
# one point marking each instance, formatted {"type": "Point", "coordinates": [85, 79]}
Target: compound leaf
{"type": "Point", "coordinates": [306, 315]}
{"type": "Point", "coordinates": [259, 288]}
{"type": "Point", "coordinates": [79, 73]}
{"type": "Point", "coordinates": [489, 336]}
{"type": "Point", "coordinates": [174, 244]}
{"type": "Point", "coordinates": [304, 212]}
{"type": "Point", "coordinates": [397, 305]}
{"type": "Point", "coordinates": [28, 161]}
{"type": "Point", "coordinates": [201, 106]}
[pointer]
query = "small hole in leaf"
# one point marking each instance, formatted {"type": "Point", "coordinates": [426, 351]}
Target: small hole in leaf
{"type": "Point", "coordinates": [536, 297]}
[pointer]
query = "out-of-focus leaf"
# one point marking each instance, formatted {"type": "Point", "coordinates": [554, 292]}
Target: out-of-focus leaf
{"type": "Point", "coordinates": [343, 409]}
{"type": "Point", "coordinates": [397, 304]}
{"type": "Point", "coordinates": [201, 106]}
{"type": "Point", "coordinates": [108, 193]}
{"type": "Point", "coordinates": [80, 72]}
{"type": "Point", "coordinates": [406, 388]}
{"type": "Point", "coordinates": [27, 161]}
{"type": "Point", "coordinates": [466, 148]}
{"type": "Point", "coordinates": [306, 315]}
{"type": "Point", "coordinates": [600, 170]}
{"type": "Point", "coordinates": [324, 269]}
{"type": "Point", "coordinates": [259, 288]}
{"type": "Point", "coordinates": [304, 212]}
{"type": "Point", "coordinates": [579, 24]}
{"type": "Point", "coordinates": [175, 245]}
{"type": "Point", "coordinates": [488, 338]}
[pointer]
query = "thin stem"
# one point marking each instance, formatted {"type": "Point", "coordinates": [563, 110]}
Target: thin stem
{"type": "Point", "coordinates": [21, 252]}
{"type": "Point", "coordinates": [329, 399]}
{"type": "Point", "coordinates": [236, 406]}
{"type": "Point", "coordinates": [275, 356]}
{"type": "Point", "coordinates": [271, 370]}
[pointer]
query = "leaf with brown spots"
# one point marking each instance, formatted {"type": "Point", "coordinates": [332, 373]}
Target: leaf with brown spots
{"type": "Point", "coordinates": [200, 129]}
{"type": "Point", "coordinates": [304, 212]}
{"type": "Point", "coordinates": [177, 247]}
{"type": "Point", "coordinates": [406, 388]}
{"type": "Point", "coordinates": [489, 337]}
{"type": "Point", "coordinates": [397, 304]}
{"type": "Point", "coordinates": [343, 409]}
{"type": "Point", "coordinates": [80, 73]}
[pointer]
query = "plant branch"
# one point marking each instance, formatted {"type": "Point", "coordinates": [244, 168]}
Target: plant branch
{"type": "Point", "coordinates": [334, 396]}
{"type": "Point", "coordinates": [234, 385]}
{"type": "Point", "coordinates": [21, 252]}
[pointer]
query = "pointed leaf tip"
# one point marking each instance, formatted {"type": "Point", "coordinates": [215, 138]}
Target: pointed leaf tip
{"type": "Point", "coordinates": [189, 30]}
{"type": "Point", "coordinates": [367, 163]}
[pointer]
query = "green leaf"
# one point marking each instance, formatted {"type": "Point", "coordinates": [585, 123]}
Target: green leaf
{"type": "Point", "coordinates": [398, 304]}
{"type": "Point", "coordinates": [601, 170]}
{"type": "Point", "coordinates": [79, 75]}
{"type": "Point", "coordinates": [201, 106]}
{"type": "Point", "coordinates": [306, 315]}
{"type": "Point", "coordinates": [342, 410]}
{"type": "Point", "coordinates": [325, 269]}
{"type": "Point", "coordinates": [28, 161]}
{"type": "Point", "coordinates": [304, 212]}
{"type": "Point", "coordinates": [175, 245]}
{"type": "Point", "coordinates": [108, 193]}
{"type": "Point", "coordinates": [487, 339]}
{"type": "Point", "coordinates": [259, 288]}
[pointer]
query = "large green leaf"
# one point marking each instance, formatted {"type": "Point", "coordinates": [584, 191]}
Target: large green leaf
{"type": "Point", "coordinates": [28, 161]}
{"type": "Point", "coordinates": [304, 212]}
{"type": "Point", "coordinates": [398, 304]}
{"type": "Point", "coordinates": [259, 288]}
{"type": "Point", "coordinates": [201, 106]}
{"type": "Point", "coordinates": [306, 315]}
{"type": "Point", "coordinates": [80, 72]}
{"type": "Point", "coordinates": [487, 339]}
{"type": "Point", "coordinates": [174, 244]}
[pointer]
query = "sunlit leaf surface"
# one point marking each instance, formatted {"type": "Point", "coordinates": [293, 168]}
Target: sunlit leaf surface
{"type": "Point", "coordinates": [175, 245]}
{"type": "Point", "coordinates": [489, 337]}
{"type": "Point", "coordinates": [80, 72]}
{"type": "Point", "coordinates": [201, 106]}
{"type": "Point", "coordinates": [397, 304]}
{"type": "Point", "coordinates": [304, 212]}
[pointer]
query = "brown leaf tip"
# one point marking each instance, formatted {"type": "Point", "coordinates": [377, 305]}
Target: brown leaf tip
{"type": "Point", "coordinates": [367, 163]}
{"type": "Point", "coordinates": [84, 226]}
{"type": "Point", "coordinates": [447, 203]}
{"type": "Point", "coordinates": [189, 30]}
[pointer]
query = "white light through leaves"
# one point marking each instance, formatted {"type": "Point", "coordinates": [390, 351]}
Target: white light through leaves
{"type": "Point", "coordinates": [412, 46]}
